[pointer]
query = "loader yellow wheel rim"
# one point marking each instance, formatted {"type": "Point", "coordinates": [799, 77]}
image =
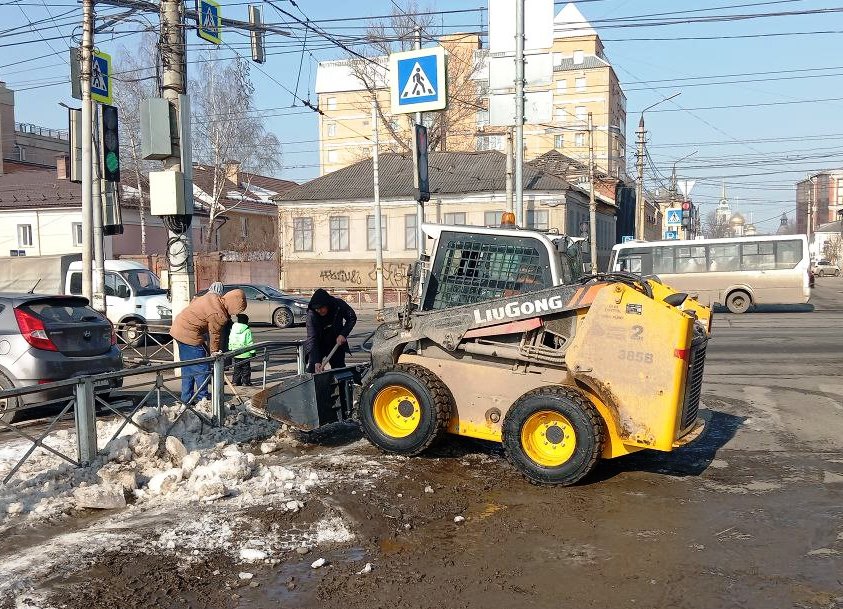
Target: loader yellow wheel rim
{"type": "Point", "coordinates": [548, 438]}
{"type": "Point", "coordinates": [396, 411]}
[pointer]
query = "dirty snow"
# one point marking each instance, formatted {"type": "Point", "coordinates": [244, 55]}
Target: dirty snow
{"type": "Point", "coordinates": [183, 494]}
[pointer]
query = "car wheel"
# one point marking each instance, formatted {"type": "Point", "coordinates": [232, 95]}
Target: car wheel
{"type": "Point", "coordinates": [820, 273]}
{"type": "Point", "coordinates": [133, 333]}
{"type": "Point", "coordinates": [282, 318]}
{"type": "Point", "coordinates": [738, 302]}
{"type": "Point", "coordinates": [553, 435]}
{"type": "Point", "coordinates": [837, 273]}
{"type": "Point", "coordinates": [8, 405]}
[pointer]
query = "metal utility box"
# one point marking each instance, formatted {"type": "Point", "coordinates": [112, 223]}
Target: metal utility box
{"type": "Point", "coordinates": [166, 194]}
{"type": "Point", "coordinates": [156, 132]}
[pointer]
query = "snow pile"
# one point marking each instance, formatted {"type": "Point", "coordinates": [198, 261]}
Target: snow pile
{"type": "Point", "coordinates": [144, 465]}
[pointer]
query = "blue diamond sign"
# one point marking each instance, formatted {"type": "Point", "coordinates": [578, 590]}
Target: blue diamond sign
{"type": "Point", "coordinates": [101, 77]}
{"type": "Point", "coordinates": [210, 21]}
{"type": "Point", "coordinates": [417, 81]}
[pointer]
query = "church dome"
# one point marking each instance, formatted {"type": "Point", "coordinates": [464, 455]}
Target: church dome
{"type": "Point", "coordinates": [737, 220]}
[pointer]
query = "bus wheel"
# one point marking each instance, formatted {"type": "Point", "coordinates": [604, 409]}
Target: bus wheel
{"type": "Point", "coordinates": [738, 301]}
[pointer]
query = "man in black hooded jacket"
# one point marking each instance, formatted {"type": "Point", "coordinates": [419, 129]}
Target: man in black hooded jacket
{"type": "Point", "coordinates": [329, 322]}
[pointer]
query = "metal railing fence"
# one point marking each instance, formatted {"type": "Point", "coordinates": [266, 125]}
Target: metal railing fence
{"type": "Point", "coordinates": [81, 396]}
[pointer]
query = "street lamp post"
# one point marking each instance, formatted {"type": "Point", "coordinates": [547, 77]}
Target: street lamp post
{"type": "Point", "coordinates": [640, 205]}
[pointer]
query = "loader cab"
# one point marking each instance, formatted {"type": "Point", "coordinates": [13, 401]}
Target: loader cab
{"type": "Point", "coordinates": [472, 264]}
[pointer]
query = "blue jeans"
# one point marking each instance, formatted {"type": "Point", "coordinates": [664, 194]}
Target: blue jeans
{"type": "Point", "coordinates": [195, 376]}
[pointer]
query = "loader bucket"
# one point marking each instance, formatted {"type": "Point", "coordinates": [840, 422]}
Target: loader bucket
{"type": "Point", "coordinates": [309, 401]}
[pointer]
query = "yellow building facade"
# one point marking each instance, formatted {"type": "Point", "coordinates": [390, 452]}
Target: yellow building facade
{"type": "Point", "coordinates": [582, 82]}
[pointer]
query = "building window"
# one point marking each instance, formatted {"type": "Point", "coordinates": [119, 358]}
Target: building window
{"type": "Point", "coordinates": [538, 219]}
{"type": "Point", "coordinates": [489, 142]}
{"type": "Point", "coordinates": [454, 218]}
{"type": "Point", "coordinates": [482, 118]}
{"type": "Point", "coordinates": [302, 234]}
{"type": "Point", "coordinates": [557, 59]}
{"type": "Point", "coordinates": [580, 83]}
{"type": "Point", "coordinates": [559, 141]}
{"type": "Point", "coordinates": [581, 113]}
{"type": "Point", "coordinates": [339, 233]}
{"type": "Point", "coordinates": [562, 86]}
{"type": "Point", "coordinates": [578, 57]}
{"type": "Point", "coordinates": [579, 139]}
{"type": "Point", "coordinates": [333, 156]}
{"type": "Point", "coordinates": [411, 235]}
{"type": "Point", "coordinates": [24, 235]}
{"type": "Point", "coordinates": [332, 103]}
{"type": "Point", "coordinates": [20, 152]}
{"type": "Point", "coordinates": [370, 232]}
{"type": "Point", "coordinates": [332, 129]}
{"type": "Point", "coordinates": [492, 218]}
{"type": "Point", "coordinates": [76, 232]}
{"type": "Point", "coordinates": [559, 115]}
{"type": "Point", "coordinates": [244, 228]}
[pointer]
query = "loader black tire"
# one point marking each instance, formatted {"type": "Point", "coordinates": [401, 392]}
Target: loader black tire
{"type": "Point", "coordinates": [433, 406]}
{"type": "Point", "coordinates": [572, 415]}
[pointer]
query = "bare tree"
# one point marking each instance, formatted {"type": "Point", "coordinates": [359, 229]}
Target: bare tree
{"type": "Point", "coordinates": [397, 33]}
{"type": "Point", "coordinates": [135, 82]}
{"type": "Point", "coordinates": [714, 226]}
{"type": "Point", "coordinates": [227, 127]}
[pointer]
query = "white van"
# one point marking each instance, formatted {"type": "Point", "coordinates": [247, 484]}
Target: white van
{"type": "Point", "coordinates": [133, 297]}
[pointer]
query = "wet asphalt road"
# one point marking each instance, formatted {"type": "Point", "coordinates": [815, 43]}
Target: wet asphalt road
{"type": "Point", "coordinates": [750, 515]}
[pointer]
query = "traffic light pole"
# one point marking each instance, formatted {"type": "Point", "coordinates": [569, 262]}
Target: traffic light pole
{"type": "Point", "coordinates": [173, 84]}
{"type": "Point", "coordinates": [87, 145]}
{"type": "Point", "coordinates": [98, 189]}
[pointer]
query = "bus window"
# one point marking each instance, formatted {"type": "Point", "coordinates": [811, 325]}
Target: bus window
{"type": "Point", "coordinates": [724, 258]}
{"type": "Point", "coordinates": [663, 260]}
{"type": "Point", "coordinates": [691, 259]}
{"type": "Point", "coordinates": [638, 261]}
{"type": "Point", "coordinates": [758, 256]}
{"type": "Point", "coordinates": [788, 254]}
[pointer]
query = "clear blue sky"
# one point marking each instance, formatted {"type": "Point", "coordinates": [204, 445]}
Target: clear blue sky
{"type": "Point", "coordinates": [728, 141]}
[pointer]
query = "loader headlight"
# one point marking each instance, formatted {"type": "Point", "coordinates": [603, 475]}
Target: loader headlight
{"type": "Point", "coordinates": [164, 311]}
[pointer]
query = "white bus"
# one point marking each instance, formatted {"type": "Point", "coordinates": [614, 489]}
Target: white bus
{"type": "Point", "coordinates": [736, 272]}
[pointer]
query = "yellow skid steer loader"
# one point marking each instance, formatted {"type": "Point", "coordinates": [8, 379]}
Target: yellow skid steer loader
{"type": "Point", "coordinates": [505, 340]}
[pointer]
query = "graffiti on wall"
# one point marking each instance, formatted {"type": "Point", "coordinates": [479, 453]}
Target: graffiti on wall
{"type": "Point", "coordinates": [394, 275]}
{"type": "Point", "coordinates": [351, 277]}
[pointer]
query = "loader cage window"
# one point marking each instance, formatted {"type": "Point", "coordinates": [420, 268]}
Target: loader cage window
{"type": "Point", "coordinates": [473, 268]}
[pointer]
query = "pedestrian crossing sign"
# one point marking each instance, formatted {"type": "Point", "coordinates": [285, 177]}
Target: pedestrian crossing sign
{"type": "Point", "coordinates": [418, 81]}
{"type": "Point", "coordinates": [209, 21]}
{"type": "Point", "coordinates": [674, 217]}
{"type": "Point", "coordinates": [101, 78]}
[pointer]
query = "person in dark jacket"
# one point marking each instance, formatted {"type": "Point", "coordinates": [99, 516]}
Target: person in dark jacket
{"type": "Point", "coordinates": [329, 322]}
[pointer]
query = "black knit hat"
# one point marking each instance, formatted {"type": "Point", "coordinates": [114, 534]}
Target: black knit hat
{"type": "Point", "coordinates": [321, 298]}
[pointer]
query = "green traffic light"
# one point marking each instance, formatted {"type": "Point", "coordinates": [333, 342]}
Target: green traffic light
{"type": "Point", "coordinates": [112, 162]}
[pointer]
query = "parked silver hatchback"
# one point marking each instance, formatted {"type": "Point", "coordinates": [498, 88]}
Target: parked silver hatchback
{"type": "Point", "coordinates": [52, 338]}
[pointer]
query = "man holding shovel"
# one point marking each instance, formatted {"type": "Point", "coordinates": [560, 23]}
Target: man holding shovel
{"type": "Point", "coordinates": [329, 322]}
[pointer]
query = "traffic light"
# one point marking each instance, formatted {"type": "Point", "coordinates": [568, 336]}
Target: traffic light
{"type": "Point", "coordinates": [687, 208]}
{"type": "Point", "coordinates": [109, 144]}
{"type": "Point", "coordinates": [420, 179]}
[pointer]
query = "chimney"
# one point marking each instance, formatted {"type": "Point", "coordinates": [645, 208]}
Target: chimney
{"type": "Point", "coordinates": [232, 171]}
{"type": "Point", "coordinates": [63, 167]}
